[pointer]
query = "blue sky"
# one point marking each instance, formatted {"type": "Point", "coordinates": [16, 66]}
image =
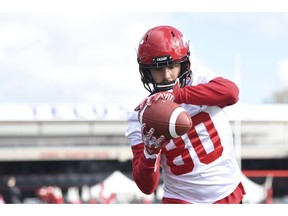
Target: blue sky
{"type": "Point", "coordinates": [88, 57]}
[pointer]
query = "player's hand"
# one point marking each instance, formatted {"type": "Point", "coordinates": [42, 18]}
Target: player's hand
{"type": "Point", "coordinates": [165, 95]}
{"type": "Point", "coordinates": [152, 144]}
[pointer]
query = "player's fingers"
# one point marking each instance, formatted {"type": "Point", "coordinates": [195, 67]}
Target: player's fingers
{"type": "Point", "coordinates": [161, 139]}
{"type": "Point", "coordinates": [158, 96]}
{"type": "Point", "coordinates": [150, 133]}
{"type": "Point", "coordinates": [153, 98]}
{"type": "Point", "coordinates": [150, 100]}
{"type": "Point", "coordinates": [143, 128]}
{"type": "Point", "coordinates": [137, 108]}
{"type": "Point", "coordinates": [168, 96]}
{"type": "Point", "coordinates": [141, 105]}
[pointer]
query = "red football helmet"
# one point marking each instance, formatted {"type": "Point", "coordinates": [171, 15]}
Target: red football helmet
{"type": "Point", "coordinates": [159, 47]}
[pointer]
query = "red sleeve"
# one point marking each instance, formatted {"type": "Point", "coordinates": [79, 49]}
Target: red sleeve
{"type": "Point", "coordinates": [143, 170]}
{"type": "Point", "coordinates": [218, 92]}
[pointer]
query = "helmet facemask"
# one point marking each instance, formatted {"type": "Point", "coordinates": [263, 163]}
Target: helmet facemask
{"type": "Point", "coordinates": [152, 87]}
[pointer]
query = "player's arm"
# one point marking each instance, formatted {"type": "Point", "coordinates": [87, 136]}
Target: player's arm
{"type": "Point", "coordinates": [146, 149]}
{"type": "Point", "coordinates": [146, 171]}
{"type": "Point", "coordinates": [218, 92]}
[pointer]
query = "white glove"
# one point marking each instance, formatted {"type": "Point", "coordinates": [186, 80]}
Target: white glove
{"type": "Point", "coordinates": [152, 144]}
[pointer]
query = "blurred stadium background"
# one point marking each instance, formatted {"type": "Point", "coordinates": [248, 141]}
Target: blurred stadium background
{"type": "Point", "coordinates": [79, 154]}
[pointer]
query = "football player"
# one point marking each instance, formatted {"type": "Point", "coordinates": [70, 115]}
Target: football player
{"type": "Point", "coordinates": [200, 166]}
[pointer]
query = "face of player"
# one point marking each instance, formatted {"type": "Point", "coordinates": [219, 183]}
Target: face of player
{"type": "Point", "coordinates": [166, 75]}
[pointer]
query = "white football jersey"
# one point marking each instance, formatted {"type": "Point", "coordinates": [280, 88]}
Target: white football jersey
{"type": "Point", "coordinates": [200, 166]}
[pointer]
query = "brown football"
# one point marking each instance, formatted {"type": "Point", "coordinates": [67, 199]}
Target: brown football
{"type": "Point", "coordinates": [167, 118]}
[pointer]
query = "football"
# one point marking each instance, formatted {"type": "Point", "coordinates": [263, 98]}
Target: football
{"type": "Point", "coordinates": [167, 118]}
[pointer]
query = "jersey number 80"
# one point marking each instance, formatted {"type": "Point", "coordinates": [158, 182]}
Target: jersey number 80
{"type": "Point", "coordinates": [204, 157]}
